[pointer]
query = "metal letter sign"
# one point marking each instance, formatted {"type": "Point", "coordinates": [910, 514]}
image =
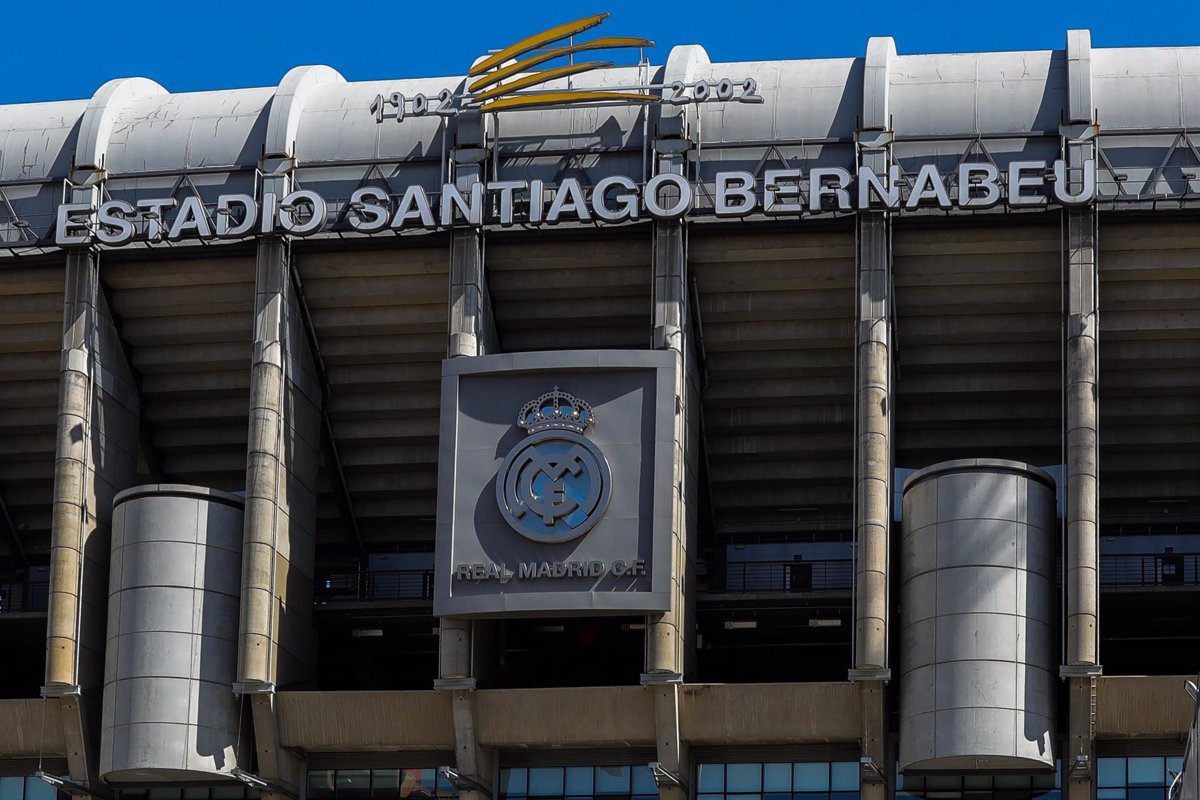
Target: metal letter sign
{"type": "Point", "coordinates": [554, 486]}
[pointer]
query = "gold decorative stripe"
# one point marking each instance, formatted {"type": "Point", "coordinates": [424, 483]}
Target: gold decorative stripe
{"type": "Point", "coordinates": [541, 77]}
{"type": "Point", "coordinates": [538, 40]}
{"type": "Point", "coordinates": [604, 43]}
{"type": "Point", "coordinates": [565, 98]}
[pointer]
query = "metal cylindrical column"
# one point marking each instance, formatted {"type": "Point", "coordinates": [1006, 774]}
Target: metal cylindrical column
{"type": "Point", "coordinates": [977, 689]}
{"type": "Point", "coordinates": [169, 709]}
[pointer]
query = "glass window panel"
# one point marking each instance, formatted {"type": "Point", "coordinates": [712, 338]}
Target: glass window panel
{"type": "Point", "coordinates": [443, 787]}
{"type": "Point", "coordinates": [811, 777]}
{"type": "Point", "coordinates": [914, 782]}
{"type": "Point", "coordinates": [169, 793]}
{"type": "Point", "coordinates": [1174, 764]}
{"type": "Point", "coordinates": [579, 780]}
{"type": "Point", "coordinates": [13, 788]}
{"type": "Point", "coordinates": [641, 797]}
{"type": "Point", "coordinates": [195, 793]}
{"type": "Point", "coordinates": [943, 782]}
{"type": "Point", "coordinates": [977, 781]}
{"type": "Point", "coordinates": [777, 777]}
{"type": "Point", "coordinates": [778, 795]}
{"type": "Point", "coordinates": [513, 781]}
{"type": "Point", "coordinates": [843, 795]}
{"type": "Point", "coordinates": [1110, 794]}
{"type": "Point", "coordinates": [429, 778]}
{"type": "Point", "coordinates": [1110, 772]}
{"type": "Point", "coordinates": [38, 789]}
{"type": "Point", "coordinates": [711, 778]}
{"type": "Point", "coordinates": [612, 780]}
{"type": "Point", "coordinates": [228, 793]}
{"type": "Point", "coordinates": [902, 795]}
{"type": "Point", "coordinates": [1147, 793]}
{"type": "Point", "coordinates": [743, 777]}
{"type": "Point", "coordinates": [844, 776]}
{"type": "Point", "coordinates": [545, 782]}
{"type": "Point", "coordinates": [1146, 772]}
{"type": "Point", "coordinates": [412, 783]}
{"type": "Point", "coordinates": [743, 797]}
{"type": "Point", "coordinates": [711, 797]}
{"type": "Point", "coordinates": [1012, 782]}
{"type": "Point", "coordinates": [385, 783]}
{"type": "Point", "coordinates": [352, 784]}
{"type": "Point", "coordinates": [810, 796]}
{"type": "Point", "coordinates": [1045, 781]}
{"type": "Point", "coordinates": [1050, 794]}
{"type": "Point", "coordinates": [643, 780]}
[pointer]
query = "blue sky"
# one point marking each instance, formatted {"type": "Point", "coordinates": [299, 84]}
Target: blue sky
{"type": "Point", "coordinates": [62, 50]}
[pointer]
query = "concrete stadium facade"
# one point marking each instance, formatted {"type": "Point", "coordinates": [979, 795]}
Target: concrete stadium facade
{"type": "Point", "coordinates": [830, 495]}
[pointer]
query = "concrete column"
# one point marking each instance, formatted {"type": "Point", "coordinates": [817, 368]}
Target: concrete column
{"type": "Point", "coordinates": [276, 640]}
{"type": "Point", "coordinates": [275, 643]}
{"type": "Point", "coordinates": [669, 639]}
{"type": "Point", "coordinates": [873, 403]}
{"type": "Point", "coordinates": [281, 474]}
{"type": "Point", "coordinates": [471, 333]}
{"type": "Point", "coordinates": [1081, 328]}
{"type": "Point", "coordinates": [96, 457]}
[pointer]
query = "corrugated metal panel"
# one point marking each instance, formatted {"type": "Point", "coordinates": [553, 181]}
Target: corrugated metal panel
{"type": "Point", "coordinates": [188, 323]}
{"type": "Point", "coordinates": [1150, 373]}
{"type": "Point", "coordinates": [778, 317]}
{"type": "Point", "coordinates": [380, 320]}
{"type": "Point", "coordinates": [978, 335]}
{"type": "Point", "coordinates": [565, 294]}
{"type": "Point", "coordinates": [31, 309]}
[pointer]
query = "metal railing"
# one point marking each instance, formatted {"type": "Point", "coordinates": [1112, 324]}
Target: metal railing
{"type": "Point", "coordinates": [1157, 569]}
{"type": "Point", "coordinates": [833, 575]}
{"type": "Point", "coordinates": [24, 596]}
{"type": "Point", "coordinates": [400, 584]}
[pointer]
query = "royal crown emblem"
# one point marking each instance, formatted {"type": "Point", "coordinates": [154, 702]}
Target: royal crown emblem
{"type": "Point", "coordinates": [554, 486]}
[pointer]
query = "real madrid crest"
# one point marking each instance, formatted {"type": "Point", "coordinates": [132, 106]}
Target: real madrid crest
{"type": "Point", "coordinates": [554, 486]}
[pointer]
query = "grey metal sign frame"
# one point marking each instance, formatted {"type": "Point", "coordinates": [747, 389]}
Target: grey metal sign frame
{"type": "Point", "coordinates": [531, 602]}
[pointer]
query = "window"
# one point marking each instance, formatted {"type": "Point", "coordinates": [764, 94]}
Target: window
{"type": "Point", "coordinates": [18, 788]}
{"type": "Point", "coordinates": [804, 780]}
{"type": "Point", "coordinates": [577, 783]}
{"type": "Point", "coordinates": [377, 784]}
{"type": "Point", "coordinates": [223, 791]}
{"type": "Point", "coordinates": [1043, 786]}
{"type": "Point", "coordinates": [1136, 778]}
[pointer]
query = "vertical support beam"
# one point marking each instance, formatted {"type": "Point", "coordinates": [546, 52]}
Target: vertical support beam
{"type": "Point", "coordinates": [669, 651]}
{"type": "Point", "coordinates": [670, 637]}
{"type": "Point", "coordinates": [471, 333]}
{"type": "Point", "coordinates": [873, 403]}
{"type": "Point", "coordinates": [275, 643]}
{"type": "Point", "coordinates": [1081, 329]}
{"type": "Point", "coordinates": [96, 457]}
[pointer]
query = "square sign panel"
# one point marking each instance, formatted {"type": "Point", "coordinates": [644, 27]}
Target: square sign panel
{"type": "Point", "coordinates": [555, 483]}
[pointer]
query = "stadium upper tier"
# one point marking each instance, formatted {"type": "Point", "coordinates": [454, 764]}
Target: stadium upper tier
{"type": "Point", "coordinates": [1138, 104]}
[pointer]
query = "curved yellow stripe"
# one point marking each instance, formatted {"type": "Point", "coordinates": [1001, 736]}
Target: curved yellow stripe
{"type": "Point", "coordinates": [604, 43]}
{"type": "Point", "coordinates": [537, 40]}
{"type": "Point", "coordinates": [561, 98]}
{"type": "Point", "coordinates": [541, 77]}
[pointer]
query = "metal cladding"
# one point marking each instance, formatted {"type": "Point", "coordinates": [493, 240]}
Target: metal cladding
{"type": "Point", "coordinates": [944, 112]}
{"type": "Point", "coordinates": [169, 710]}
{"type": "Point", "coordinates": [977, 615]}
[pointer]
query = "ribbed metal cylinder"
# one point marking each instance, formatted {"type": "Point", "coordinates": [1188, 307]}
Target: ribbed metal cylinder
{"type": "Point", "coordinates": [977, 613]}
{"type": "Point", "coordinates": [171, 659]}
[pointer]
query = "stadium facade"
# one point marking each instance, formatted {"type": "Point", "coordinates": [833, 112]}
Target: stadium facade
{"type": "Point", "coordinates": [733, 431]}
